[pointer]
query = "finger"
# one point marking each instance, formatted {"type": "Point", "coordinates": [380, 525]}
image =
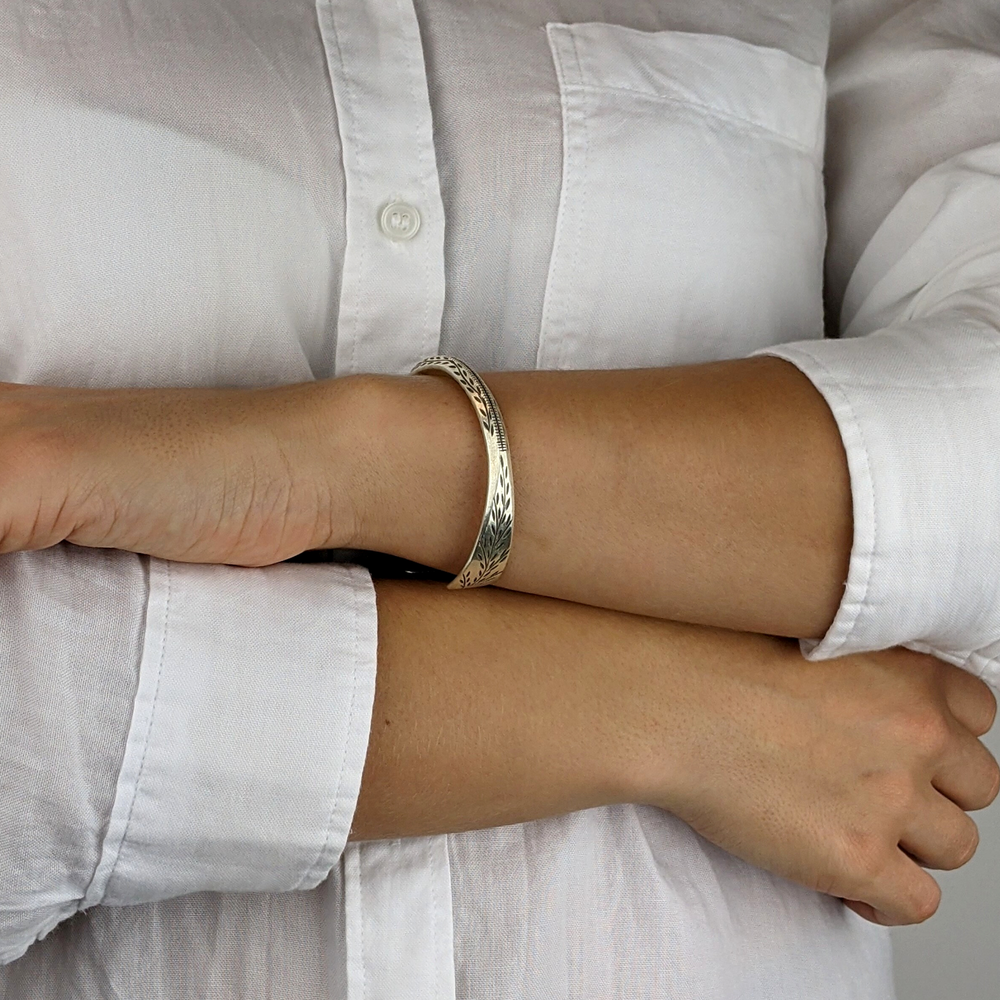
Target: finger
{"type": "Point", "coordinates": [940, 835]}
{"type": "Point", "coordinates": [866, 911]}
{"type": "Point", "coordinates": [902, 894]}
{"type": "Point", "coordinates": [971, 701]}
{"type": "Point", "coordinates": [969, 776]}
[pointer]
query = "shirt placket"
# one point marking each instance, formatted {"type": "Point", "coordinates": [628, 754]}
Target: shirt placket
{"type": "Point", "coordinates": [392, 291]}
{"type": "Point", "coordinates": [397, 894]}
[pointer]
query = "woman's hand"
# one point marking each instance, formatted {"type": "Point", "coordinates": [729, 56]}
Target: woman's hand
{"type": "Point", "coordinates": [241, 476]}
{"type": "Point", "coordinates": [836, 774]}
{"type": "Point", "coordinates": [493, 708]}
{"type": "Point", "coordinates": [844, 775]}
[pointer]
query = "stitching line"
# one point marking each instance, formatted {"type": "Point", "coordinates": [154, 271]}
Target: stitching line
{"type": "Point", "coordinates": [434, 928]}
{"type": "Point", "coordinates": [357, 176]}
{"type": "Point", "coordinates": [581, 185]}
{"type": "Point", "coordinates": [707, 109]}
{"type": "Point", "coordinates": [835, 386]}
{"type": "Point", "coordinates": [149, 729]}
{"type": "Point", "coordinates": [422, 111]}
{"type": "Point", "coordinates": [542, 354]}
{"type": "Point", "coordinates": [361, 925]}
{"type": "Point", "coordinates": [308, 873]}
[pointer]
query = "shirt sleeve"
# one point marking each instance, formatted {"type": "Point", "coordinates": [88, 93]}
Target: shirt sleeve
{"type": "Point", "coordinates": [172, 728]}
{"type": "Point", "coordinates": [913, 381]}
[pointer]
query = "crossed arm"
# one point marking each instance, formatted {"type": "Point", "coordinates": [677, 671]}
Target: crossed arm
{"type": "Point", "coordinates": [493, 708]}
{"type": "Point", "coordinates": [716, 495]}
{"type": "Point", "coordinates": [715, 492]}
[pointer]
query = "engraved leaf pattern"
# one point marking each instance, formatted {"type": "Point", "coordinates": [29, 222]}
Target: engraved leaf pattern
{"type": "Point", "coordinates": [493, 545]}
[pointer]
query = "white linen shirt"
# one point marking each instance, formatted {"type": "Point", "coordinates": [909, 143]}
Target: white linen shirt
{"type": "Point", "coordinates": [191, 194]}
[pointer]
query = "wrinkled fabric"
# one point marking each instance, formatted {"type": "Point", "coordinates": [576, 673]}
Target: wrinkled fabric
{"type": "Point", "coordinates": [189, 195]}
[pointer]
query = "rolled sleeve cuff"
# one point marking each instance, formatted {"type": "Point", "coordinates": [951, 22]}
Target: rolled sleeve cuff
{"type": "Point", "coordinates": [249, 732]}
{"type": "Point", "coordinates": [916, 405]}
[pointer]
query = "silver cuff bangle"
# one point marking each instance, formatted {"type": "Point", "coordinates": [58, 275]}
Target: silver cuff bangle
{"type": "Point", "coordinates": [492, 548]}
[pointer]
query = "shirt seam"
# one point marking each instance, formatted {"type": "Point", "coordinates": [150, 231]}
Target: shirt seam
{"type": "Point", "coordinates": [544, 353]}
{"type": "Point", "coordinates": [422, 160]}
{"type": "Point", "coordinates": [848, 628]}
{"type": "Point", "coordinates": [361, 929]}
{"type": "Point", "coordinates": [708, 109]}
{"type": "Point", "coordinates": [583, 176]}
{"type": "Point", "coordinates": [351, 178]}
{"type": "Point", "coordinates": [355, 653]}
{"type": "Point", "coordinates": [149, 729]}
{"type": "Point", "coordinates": [435, 949]}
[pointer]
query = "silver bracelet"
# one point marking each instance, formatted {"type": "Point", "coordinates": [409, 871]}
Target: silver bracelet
{"type": "Point", "coordinates": [492, 548]}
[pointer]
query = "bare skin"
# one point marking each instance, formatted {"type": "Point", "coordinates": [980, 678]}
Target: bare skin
{"type": "Point", "coordinates": [715, 493]}
{"type": "Point", "coordinates": [495, 708]}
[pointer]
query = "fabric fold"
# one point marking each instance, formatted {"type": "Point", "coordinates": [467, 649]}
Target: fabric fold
{"type": "Point", "coordinates": [249, 734]}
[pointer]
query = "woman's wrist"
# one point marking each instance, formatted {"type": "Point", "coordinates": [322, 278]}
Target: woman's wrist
{"type": "Point", "coordinates": [716, 494]}
{"type": "Point", "coordinates": [415, 467]}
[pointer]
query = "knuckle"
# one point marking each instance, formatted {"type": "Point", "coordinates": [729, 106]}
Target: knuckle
{"type": "Point", "coordinates": [862, 857]}
{"type": "Point", "coordinates": [928, 730]}
{"type": "Point", "coordinates": [897, 793]}
{"type": "Point", "coordinates": [961, 849]}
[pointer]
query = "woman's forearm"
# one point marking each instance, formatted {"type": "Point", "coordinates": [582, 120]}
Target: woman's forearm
{"type": "Point", "coordinates": [715, 493]}
{"type": "Point", "coordinates": [494, 707]}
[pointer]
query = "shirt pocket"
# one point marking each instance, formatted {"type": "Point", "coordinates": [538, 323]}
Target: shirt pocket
{"type": "Point", "coordinates": [691, 223]}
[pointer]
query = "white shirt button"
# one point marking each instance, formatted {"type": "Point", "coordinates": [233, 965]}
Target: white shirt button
{"type": "Point", "coordinates": [399, 221]}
